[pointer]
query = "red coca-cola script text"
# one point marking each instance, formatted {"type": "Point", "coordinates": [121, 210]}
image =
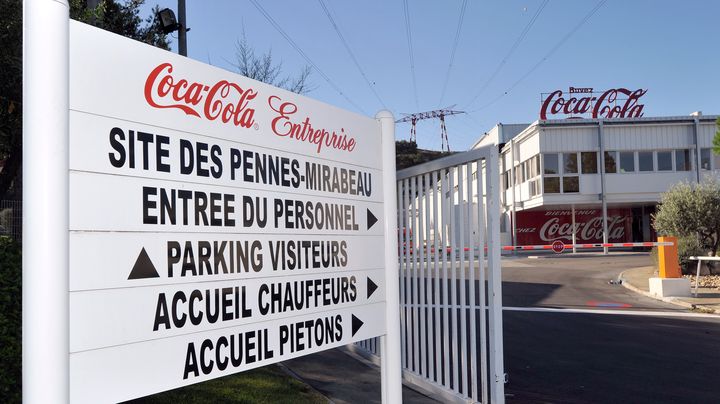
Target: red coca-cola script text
{"type": "Point", "coordinates": [224, 101]}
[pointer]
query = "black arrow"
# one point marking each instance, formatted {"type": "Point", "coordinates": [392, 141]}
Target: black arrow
{"type": "Point", "coordinates": [143, 267]}
{"type": "Point", "coordinates": [371, 287]}
{"type": "Point", "coordinates": [356, 324]}
{"type": "Point", "coordinates": [371, 219]}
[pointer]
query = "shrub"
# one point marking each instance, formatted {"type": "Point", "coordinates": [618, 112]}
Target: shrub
{"type": "Point", "coordinates": [10, 321]}
{"type": "Point", "coordinates": [692, 212]}
{"type": "Point", "coordinates": [688, 247]}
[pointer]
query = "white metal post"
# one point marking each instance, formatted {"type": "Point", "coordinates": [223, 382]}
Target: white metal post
{"type": "Point", "coordinates": [603, 188]}
{"type": "Point", "coordinates": [391, 366]}
{"type": "Point", "coordinates": [45, 337]}
{"type": "Point", "coordinates": [497, 372]}
{"type": "Point", "coordinates": [574, 230]}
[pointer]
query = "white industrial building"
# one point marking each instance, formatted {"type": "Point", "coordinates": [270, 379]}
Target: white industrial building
{"type": "Point", "coordinates": [560, 175]}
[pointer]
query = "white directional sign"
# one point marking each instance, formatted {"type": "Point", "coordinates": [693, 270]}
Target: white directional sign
{"type": "Point", "coordinates": [217, 224]}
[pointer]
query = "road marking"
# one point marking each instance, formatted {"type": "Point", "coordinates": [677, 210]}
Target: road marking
{"type": "Point", "coordinates": [594, 303]}
{"type": "Point", "coordinates": [616, 312]}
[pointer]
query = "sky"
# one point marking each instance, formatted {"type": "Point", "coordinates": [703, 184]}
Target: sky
{"type": "Point", "coordinates": [506, 54]}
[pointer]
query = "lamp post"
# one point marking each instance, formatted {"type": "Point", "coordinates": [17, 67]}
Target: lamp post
{"type": "Point", "coordinates": [168, 24]}
{"type": "Point", "coordinates": [182, 31]}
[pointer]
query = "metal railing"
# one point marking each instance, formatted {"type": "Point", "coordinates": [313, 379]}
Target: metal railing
{"type": "Point", "coordinates": [11, 219]}
{"type": "Point", "coordinates": [450, 306]}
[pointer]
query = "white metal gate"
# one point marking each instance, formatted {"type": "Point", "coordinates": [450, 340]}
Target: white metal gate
{"type": "Point", "coordinates": [450, 297]}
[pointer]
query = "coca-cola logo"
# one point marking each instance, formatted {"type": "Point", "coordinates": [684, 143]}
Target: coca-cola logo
{"type": "Point", "coordinates": [614, 103]}
{"type": "Point", "coordinates": [224, 101]}
{"type": "Point", "coordinates": [592, 229]}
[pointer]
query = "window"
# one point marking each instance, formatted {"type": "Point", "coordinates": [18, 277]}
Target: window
{"type": "Point", "coordinates": [664, 161]}
{"type": "Point", "coordinates": [645, 161]}
{"type": "Point", "coordinates": [551, 185]}
{"type": "Point", "coordinates": [705, 157]}
{"type": "Point", "coordinates": [550, 164]}
{"type": "Point", "coordinates": [570, 164]}
{"type": "Point", "coordinates": [627, 162]}
{"type": "Point", "coordinates": [589, 162]}
{"type": "Point", "coordinates": [534, 187]}
{"type": "Point", "coordinates": [682, 160]}
{"type": "Point", "coordinates": [571, 184]}
{"type": "Point", "coordinates": [611, 162]}
{"type": "Point", "coordinates": [532, 167]}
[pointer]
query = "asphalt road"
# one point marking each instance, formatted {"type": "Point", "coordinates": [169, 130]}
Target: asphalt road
{"type": "Point", "coordinates": [557, 352]}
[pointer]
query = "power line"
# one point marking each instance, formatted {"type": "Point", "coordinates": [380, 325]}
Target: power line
{"type": "Point", "coordinates": [408, 33]}
{"type": "Point", "coordinates": [454, 48]}
{"type": "Point", "coordinates": [292, 43]}
{"type": "Point", "coordinates": [350, 52]}
{"type": "Point", "coordinates": [512, 50]}
{"type": "Point", "coordinates": [547, 56]}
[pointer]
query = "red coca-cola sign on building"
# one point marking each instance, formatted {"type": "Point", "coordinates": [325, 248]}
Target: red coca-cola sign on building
{"type": "Point", "coordinates": [586, 103]}
{"type": "Point", "coordinates": [546, 226]}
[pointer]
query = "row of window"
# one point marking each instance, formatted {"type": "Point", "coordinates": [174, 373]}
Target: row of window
{"type": "Point", "coordinates": [560, 170]}
{"type": "Point", "coordinates": [628, 161]}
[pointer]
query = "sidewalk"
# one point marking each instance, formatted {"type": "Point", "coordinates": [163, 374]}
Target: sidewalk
{"type": "Point", "coordinates": [636, 279]}
{"type": "Point", "coordinates": [344, 379]}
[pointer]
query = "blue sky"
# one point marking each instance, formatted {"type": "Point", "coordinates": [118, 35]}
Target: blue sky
{"type": "Point", "coordinates": [670, 48]}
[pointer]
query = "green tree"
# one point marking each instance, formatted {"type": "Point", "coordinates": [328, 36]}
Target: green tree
{"type": "Point", "coordinates": [407, 154]}
{"type": "Point", "coordinates": [10, 92]}
{"type": "Point", "coordinates": [692, 210]}
{"type": "Point", "coordinates": [121, 18]}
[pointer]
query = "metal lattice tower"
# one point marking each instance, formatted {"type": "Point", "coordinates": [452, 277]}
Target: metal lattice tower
{"type": "Point", "coordinates": [438, 113]}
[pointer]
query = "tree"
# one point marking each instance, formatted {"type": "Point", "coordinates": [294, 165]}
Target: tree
{"type": "Point", "coordinates": [263, 68]}
{"type": "Point", "coordinates": [407, 154]}
{"type": "Point", "coordinates": [10, 92]}
{"type": "Point", "coordinates": [121, 18]}
{"type": "Point", "coordinates": [690, 210]}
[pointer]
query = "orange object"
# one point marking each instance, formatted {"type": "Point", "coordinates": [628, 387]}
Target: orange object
{"type": "Point", "coordinates": [668, 258]}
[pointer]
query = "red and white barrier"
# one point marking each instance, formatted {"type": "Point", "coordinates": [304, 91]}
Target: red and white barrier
{"type": "Point", "coordinates": [590, 245]}
{"type": "Point", "coordinates": [559, 246]}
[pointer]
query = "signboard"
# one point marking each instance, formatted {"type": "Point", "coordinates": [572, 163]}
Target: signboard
{"type": "Point", "coordinates": [536, 227]}
{"type": "Point", "coordinates": [558, 246]}
{"type": "Point", "coordinates": [217, 224]}
{"type": "Point", "coordinates": [586, 103]}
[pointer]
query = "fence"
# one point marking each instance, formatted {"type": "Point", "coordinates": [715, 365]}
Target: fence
{"type": "Point", "coordinates": [451, 309]}
{"type": "Point", "coordinates": [11, 219]}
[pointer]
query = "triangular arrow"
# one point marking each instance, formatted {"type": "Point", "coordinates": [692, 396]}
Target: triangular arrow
{"type": "Point", "coordinates": [143, 267]}
{"type": "Point", "coordinates": [356, 324]}
{"type": "Point", "coordinates": [371, 287]}
{"type": "Point", "coordinates": [371, 219]}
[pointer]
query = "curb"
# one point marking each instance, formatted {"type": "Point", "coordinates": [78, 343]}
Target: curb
{"type": "Point", "coordinates": [672, 300]}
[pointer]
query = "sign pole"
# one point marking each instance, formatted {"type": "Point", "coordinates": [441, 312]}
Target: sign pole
{"type": "Point", "coordinates": [45, 202]}
{"type": "Point", "coordinates": [391, 367]}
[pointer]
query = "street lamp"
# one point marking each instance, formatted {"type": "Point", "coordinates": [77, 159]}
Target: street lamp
{"type": "Point", "coordinates": [168, 24]}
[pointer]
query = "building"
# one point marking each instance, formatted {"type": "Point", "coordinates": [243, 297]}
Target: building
{"type": "Point", "coordinates": [560, 175]}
